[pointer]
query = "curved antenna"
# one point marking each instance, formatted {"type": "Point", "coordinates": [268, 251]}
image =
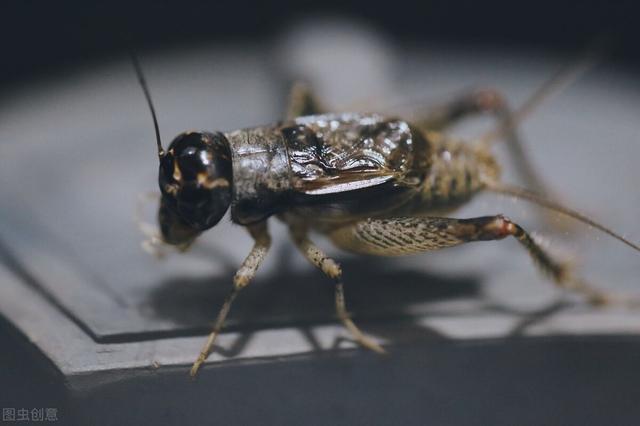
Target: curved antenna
{"type": "Point", "coordinates": [557, 83]}
{"type": "Point", "coordinates": [147, 95]}
{"type": "Point", "coordinates": [553, 205]}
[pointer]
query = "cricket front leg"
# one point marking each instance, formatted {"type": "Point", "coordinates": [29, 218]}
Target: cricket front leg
{"type": "Point", "coordinates": [262, 242]}
{"type": "Point", "coordinates": [411, 235]}
{"type": "Point", "coordinates": [332, 270]}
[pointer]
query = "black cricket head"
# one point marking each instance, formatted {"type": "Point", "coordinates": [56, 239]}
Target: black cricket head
{"type": "Point", "coordinates": [195, 179]}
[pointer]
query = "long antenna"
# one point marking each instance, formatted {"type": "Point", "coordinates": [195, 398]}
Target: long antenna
{"type": "Point", "coordinates": [545, 202]}
{"type": "Point", "coordinates": [147, 95]}
{"type": "Point", "coordinates": [558, 82]}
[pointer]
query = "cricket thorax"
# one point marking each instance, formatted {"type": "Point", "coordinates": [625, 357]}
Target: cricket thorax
{"type": "Point", "coordinates": [260, 174]}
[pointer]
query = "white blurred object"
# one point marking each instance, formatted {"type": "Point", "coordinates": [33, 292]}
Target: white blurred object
{"type": "Point", "coordinates": [345, 61]}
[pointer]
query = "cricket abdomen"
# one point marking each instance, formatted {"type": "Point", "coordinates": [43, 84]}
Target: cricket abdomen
{"type": "Point", "coordinates": [456, 172]}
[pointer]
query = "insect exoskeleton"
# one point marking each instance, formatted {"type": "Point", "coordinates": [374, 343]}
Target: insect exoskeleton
{"type": "Point", "coordinates": [373, 184]}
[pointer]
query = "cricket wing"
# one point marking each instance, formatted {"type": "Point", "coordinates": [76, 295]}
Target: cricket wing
{"type": "Point", "coordinates": [342, 153]}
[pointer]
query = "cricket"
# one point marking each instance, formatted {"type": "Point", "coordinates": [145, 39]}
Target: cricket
{"type": "Point", "coordinates": [373, 184]}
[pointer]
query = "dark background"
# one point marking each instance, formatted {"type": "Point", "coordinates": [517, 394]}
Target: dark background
{"type": "Point", "coordinates": [39, 38]}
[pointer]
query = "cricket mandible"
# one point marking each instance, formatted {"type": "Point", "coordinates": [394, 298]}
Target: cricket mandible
{"type": "Point", "coordinates": [373, 184]}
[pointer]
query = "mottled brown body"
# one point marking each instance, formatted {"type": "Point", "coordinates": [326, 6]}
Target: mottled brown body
{"type": "Point", "coordinates": [326, 171]}
{"type": "Point", "coordinates": [374, 185]}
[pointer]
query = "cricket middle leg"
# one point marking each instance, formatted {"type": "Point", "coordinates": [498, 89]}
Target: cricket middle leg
{"type": "Point", "coordinates": [332, 270]}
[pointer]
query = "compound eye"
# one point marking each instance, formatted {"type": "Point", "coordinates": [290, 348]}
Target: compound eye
{"type": "Point", "coordinates": [168, 182]}
{"type": "Point", "coordinates": [193, 159]}
{"type": "Point", "coordinates": [198, 158]}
